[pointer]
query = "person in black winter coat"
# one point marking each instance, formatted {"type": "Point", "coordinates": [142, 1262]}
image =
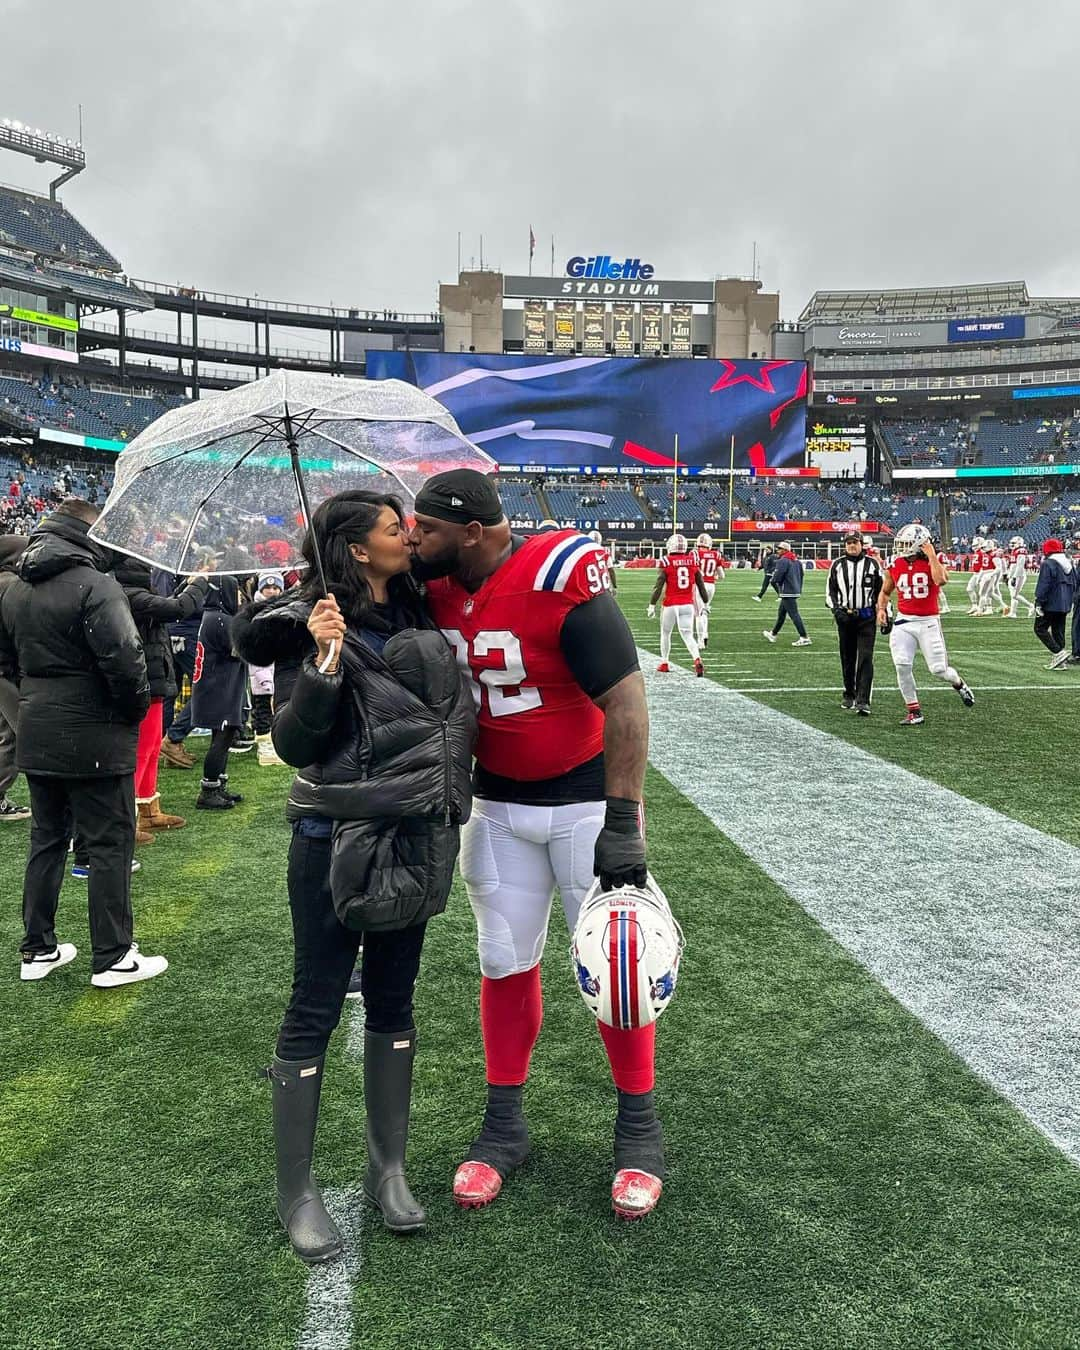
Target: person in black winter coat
{"type": "Point", "coordinates": [372, 708]}
{"type": "Point", "coordinates": [11, 547]}
{"type": "Point", "coordinates": [218, 691]}
{"type": "Point", "coordinates": [68, 639]}
{"type": "Point", "coordinates": [1055, 591]}
{"type": "Point", "coordinates": [768, 567]}
{"type": "Point", "coordinates": [787, 578]}
{"type": "Point", "coordinates": [151, 613]}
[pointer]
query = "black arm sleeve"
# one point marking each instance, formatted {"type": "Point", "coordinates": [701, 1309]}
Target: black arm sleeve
{"type": "Point", "coordinates": [598, 645]}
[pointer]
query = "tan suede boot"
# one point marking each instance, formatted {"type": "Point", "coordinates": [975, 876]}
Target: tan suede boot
{"type": "Point", "coordinates": [152, 817]}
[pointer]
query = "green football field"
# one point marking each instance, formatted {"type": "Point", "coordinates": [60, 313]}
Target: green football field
{"type": "Point", "coordinates": [867, 1075]}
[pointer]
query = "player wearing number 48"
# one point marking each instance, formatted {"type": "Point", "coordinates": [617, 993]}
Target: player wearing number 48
{"type": "Point", "coordinates": [916, 576]}
{"type": "Point", "coordinates": [561, 752]}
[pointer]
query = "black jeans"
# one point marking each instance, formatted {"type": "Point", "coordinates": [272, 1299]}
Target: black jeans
{"type": "Point", "coordinates": [1050, 629]}
{"type": "Point", "coordinates": [766, 582]}
{"type": "Point", "coordinates": [325, 955]}
{"type": "Point", "coordinates": [789, 608]}
{"type": "Point", "coordinates": [102, 812]}
{"type": "Point", "coordinates": [262, 713]}
{"type": "Point", "coordinates": [857, 637]}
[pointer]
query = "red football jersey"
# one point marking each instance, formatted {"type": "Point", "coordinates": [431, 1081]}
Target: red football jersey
{"type": "Point", "coordinates": [680, 571]}
{"type": "Point", "coordinates": [709, 561]}
{"type": "Point", "coordinates": [535, 719]}
{"type": "Point", "coordinates": [916, 590]}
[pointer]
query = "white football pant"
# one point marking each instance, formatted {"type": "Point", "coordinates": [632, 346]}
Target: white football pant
{"type": "Point", "coordinates": [683, 615]}
{"type": "Point", "coordinates": [987, 583]}
{"type": "Point", "coordinates": [701, 613]}
{"type": "Point", "coordinates": [973, 590]}
{"type": "Point", "coordinates": [925, 635]}
{"type": "Point", "coordinates": [512, 858]}
{"type": "Point", "coordinates": [1019, 581]}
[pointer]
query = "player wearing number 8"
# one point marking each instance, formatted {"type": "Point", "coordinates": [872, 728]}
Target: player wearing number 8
{"type": "Point", "coordinates": [560, 764]}
{"type": "Point", "coordinates": [916, 576]}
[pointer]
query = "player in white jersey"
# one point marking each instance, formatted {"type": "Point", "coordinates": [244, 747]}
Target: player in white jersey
{"type": "Point", "coordinates": [712, 571]}
{"type": "Point", "coordinates": [975, 577]}
{"type": "Point", "coordinates": [1018, 575]}
{"type": "Point", "coordinates": [990, 580]}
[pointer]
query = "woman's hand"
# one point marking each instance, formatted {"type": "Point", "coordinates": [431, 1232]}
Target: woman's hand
{"type": "Point", "coordinates": [327, 625]}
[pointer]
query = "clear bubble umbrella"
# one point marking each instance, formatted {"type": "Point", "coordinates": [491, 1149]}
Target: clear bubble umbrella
{"type": "Point", "coordinates": [228, 484]}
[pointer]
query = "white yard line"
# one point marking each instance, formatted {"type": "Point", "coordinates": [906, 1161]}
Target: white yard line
{"type": "Point", "coordinates": [881, 690]}
{"type": "Point", "coordinates": [969, 918]}
{"type": "Point", "coordinates": [329, 1314]}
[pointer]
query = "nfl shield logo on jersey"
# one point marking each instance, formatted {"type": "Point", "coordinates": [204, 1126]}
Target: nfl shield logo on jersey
{"type": "Point", "coordinates": [625, 954]}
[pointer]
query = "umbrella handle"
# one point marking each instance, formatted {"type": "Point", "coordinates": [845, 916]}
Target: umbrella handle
{"type": "Point", "coordinates": [328, 659]}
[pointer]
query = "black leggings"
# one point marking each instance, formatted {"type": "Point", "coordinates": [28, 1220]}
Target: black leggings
{"type": "Point", "coordinates": [324, 957]}
{"type": "Point", "coordinates": [218, 754]}
{"type": "Point", "coordinates": [1050, 629]}
{"type": "Point", "coordinates": [262, 713]}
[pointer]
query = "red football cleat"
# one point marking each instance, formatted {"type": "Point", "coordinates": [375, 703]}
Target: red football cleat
{"type": "Point", "coordinates": [634, 1194]}
{"type": "Point", "coordinates": [663, 668]}
{"type": "Point", "coordinates": [699, 667]}
{"type": "Point", "coordinates": [476, 1184]}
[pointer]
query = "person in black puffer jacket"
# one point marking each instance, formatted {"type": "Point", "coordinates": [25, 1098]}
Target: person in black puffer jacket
{"type": "Point", "coordinates": [381, 724]}
{"type": "Point", "coordinates": [68, 639]}
{"type": "Point", "coordinates": [151, 613]}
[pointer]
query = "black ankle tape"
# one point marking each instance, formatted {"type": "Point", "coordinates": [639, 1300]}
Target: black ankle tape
{"type": "Point", "coordinates": [639, 1139]}
{"type": "Point", "coordinates": [503, 1141]}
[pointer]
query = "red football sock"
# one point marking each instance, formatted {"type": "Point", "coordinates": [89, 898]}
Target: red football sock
{"type": "Point", "coordinates": [511, 1012]}
{"type": "Point", "coordinates": [631, 1055]}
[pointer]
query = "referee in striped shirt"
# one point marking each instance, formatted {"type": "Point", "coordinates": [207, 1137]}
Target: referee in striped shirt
{"type": "Point", "coordinates": [851, 593]}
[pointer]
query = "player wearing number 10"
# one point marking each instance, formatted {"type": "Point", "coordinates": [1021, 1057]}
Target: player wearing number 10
{"type": "Point", "coordinates": [916, 575]}
{"type": "Point", "coordinates": [560, 765]}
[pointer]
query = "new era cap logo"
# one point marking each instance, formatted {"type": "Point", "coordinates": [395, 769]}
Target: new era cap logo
{"type": "Point", "coordinates": [456, 501]}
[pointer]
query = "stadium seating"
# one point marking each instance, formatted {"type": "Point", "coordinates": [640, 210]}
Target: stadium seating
{"type": "Point", "coordinates": [929, 443]}
{"type": "Point", "coordinates": [519, 503]}
{"type": "Point", "coordinates": [45, 227]}
{"type": "Point", "coordinates": [1026, 440]}
{"type": "Point", "coordinates": [90, 285]}
{"type": "Point", "coordinates": [586, 501]}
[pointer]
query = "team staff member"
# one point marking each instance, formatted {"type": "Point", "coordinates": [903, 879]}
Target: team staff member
{"type": "Point", "coordinates": [788, 581]}
{"type": "Point", "coordinates": [561, 753]}
{"type": "Point", "coordinates": [768, 567]}
{"type": "Point", "coordinates": [851, 593]}
{"type": "Point", "coordinates": [1055, 592]}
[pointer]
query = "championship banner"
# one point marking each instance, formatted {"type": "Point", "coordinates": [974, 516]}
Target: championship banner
{"type": "Point", "coordinates": [593, 339]}
{"type": "Point", "coordinates": [680, 343]}
{"type": "Point", "coordinates": [652, 320]}
{"type": "Point", "coordinates": [565, 315]}
{"type": "Point", "coordinates": [622, 328]}
{"type": "Point", "coordinates": [535, 333]}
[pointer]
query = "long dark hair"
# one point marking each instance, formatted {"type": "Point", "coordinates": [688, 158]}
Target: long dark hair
{"type": "Point", "coordinates": [348, 518]}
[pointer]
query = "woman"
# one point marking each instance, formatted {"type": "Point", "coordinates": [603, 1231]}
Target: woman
{"type": "Point", "coordinates": [371, 705]}
{"type": "Point", "coordinates": [218, 691]}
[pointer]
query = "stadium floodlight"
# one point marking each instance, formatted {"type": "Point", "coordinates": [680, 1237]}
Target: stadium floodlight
{"type": "Point", "coordinates": [45, 147]}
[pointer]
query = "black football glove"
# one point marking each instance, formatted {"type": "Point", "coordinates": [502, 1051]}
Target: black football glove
{"type": "Point", "coordinates": [886, 628]}
{"type": "Point", "coordinates": [619, 859]}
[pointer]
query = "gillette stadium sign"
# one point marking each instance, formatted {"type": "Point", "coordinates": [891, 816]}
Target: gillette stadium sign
{"type": "Point", "coordinates": [602, 276]}
{"type": "Point", "coordinates": [602, 267]}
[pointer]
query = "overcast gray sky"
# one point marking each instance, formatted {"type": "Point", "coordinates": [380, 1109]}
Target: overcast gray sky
{"type": "Point", "coordinates": [329, 151]}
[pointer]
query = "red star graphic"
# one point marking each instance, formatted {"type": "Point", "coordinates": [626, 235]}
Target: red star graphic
{"type": "Point", "coordinates": [762, 382]}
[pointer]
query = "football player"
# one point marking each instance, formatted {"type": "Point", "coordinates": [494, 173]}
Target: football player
{"type": "Point", "coordinates": [943, 599]}
{"type": "Point", "coordinates": [916, 576]}
{"type": "Point", "coordinates": [560, 767]}
{"type": "Point", "coordinates": [1018, 575]}
{"type": "Point", "coordinates": [598, 539]}
{"type": "Point", "coordinates": [990, 580]}
{"type": "Point", "coordinates": [712, 571]}
{"type": "Point", "coordinates": [681, 585]}
{"type": "Point", "coordinates": [974, 580]}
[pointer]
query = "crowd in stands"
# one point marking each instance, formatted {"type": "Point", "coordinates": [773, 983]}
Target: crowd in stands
{"type": "Point", "coordinates": [78, 403]}
{"type": "Point", "coordinates": [1026, 440]}
{"type": "Point", "coordinates": [42, 226]}
{"type": "Point", "coordinates": [928, 443]}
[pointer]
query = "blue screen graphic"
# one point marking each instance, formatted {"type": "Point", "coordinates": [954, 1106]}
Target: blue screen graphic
{"type": "Point", "coordinates": [986, 330]}
{"type": "Point", "coordinates": [614, 414]}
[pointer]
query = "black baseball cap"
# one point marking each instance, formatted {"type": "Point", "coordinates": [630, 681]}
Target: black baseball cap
{"type": "Point", "coordinates": [461, 496]}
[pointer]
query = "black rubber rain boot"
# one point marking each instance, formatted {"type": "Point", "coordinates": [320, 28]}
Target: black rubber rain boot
{"type": "Point", "coordinates": [388, 1064]}
{"type": "Point", "coordinates": [296, 1087]}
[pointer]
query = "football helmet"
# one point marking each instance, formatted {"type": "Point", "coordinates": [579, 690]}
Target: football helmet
{"type": "Point", "coordinates": [625, 954]}
{"type": "Point", "coordinates": [991, 545]}
{"type": "Point", "coordinates": [596, 536]}
{"type": "Point", "coordinates": [676, 544]}
{"type": "Point", "coordinates": [910, 540]}
{"type": "Point", "coordinates": [703, 541]}
{"type": "Point", "coordinates": [1016, 542]}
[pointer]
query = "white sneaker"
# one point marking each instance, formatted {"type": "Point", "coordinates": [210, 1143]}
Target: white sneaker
{"type": "Point", "coordinates": [802, 642]}
{"type": "Point", "coordinates": [769, 637]}
{"type": "Point", "coordinates": [1061, 659]}
{"type": "Point", "coordinates": [37, 967]}
{"type": "Point", "coordinates": [756, 599]}
{"type": "Point", "coordinates": [130, 969]}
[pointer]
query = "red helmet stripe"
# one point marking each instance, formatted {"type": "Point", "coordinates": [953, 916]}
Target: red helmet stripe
{"type": "Point", "coordinates": [613, 968]}
{"type": "Point", "coordinates": [632, 971]}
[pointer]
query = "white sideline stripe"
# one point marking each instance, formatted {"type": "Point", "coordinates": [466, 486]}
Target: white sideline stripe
{"type": "Point", "coordinates": [991, 969]}
{"type": "Point", "coordinates": [328, 1296]}
{"type": "Point", "coordinates": [879, 690]}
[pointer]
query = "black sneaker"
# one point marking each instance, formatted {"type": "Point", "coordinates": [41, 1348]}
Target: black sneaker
{"type": "Point", "coordinates": [847, 702]}
{"type": "Point", "coordinates": [967, 698]}
{"type": "Point", "coordinates": [10, 811]}
{"type": "Point", "coordinates": [863, 709]}
{"type": "Point", "coordinates": [242, 745]}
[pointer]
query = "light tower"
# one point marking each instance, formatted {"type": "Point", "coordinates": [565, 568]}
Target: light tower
{"type": "Point", "coordinates": [45, 148]}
